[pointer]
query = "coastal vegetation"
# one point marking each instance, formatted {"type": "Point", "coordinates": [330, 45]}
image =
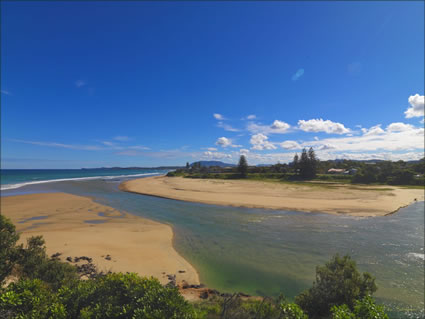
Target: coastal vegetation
{"type": "Point", "coordinates": [308, 167]}
{"type": "Point", "coordinates": [34, 285]}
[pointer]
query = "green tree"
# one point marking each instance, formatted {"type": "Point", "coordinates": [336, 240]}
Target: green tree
{"type": "Point", "coordinates": [337, 283]}
{"type": "Point", "coordinates": [124, 296]}
{"type": "Point", "coordinates": [365, 308]}
{"type": "Point", "coordinates": [8, 252]}
{"type": "Point", "coordinates": [313, 162]}
{"type": "Point", "coordinates": [30, 299]}
{"type": "Point", "coordinates": [243, 166]}
{"type": "Point", "coordinates": [295, 163]}
{"type": "Point", "coordinates": [308, 163]}
{"type": "Point", "coordinates": [35, 264]}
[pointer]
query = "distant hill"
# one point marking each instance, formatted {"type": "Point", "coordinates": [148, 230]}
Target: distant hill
{"type": "Point", "coordinates": [213, 163]}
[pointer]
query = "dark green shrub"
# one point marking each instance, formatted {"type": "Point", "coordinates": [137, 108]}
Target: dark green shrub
{"type": "Point", "coordinates": [337, 283]}
{"type": "Point", "coordinates": [31, 299]}
{"type": "Point", "coordinates": [8, 253]}
{"type": "Point", "coordinates": [35, 264]}
{"type": "Point", "coordinates": [364, 309]}
{"type": "Point", "coordinates": [124, 296]}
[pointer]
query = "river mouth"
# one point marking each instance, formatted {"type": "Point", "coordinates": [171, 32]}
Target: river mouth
{"type": "Point", "coordinates": [263, 252]}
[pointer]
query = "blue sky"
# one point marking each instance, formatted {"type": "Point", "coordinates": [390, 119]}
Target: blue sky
{"type": "Point", "coordinates": [89, 84]}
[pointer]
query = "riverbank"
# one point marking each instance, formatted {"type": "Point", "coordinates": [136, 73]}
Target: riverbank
{"type": "Point", "coordinates": [115, 240]}
{"type": "Point", "coordinates": [362, 201]}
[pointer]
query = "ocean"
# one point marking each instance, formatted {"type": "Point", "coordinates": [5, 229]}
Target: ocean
{"type": "Point", "coordinates": [17, 178]}
{"type": "Point", "coordinates": [263, 252]}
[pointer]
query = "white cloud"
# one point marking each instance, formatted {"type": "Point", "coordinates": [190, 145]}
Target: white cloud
{"type": "Point", "coordinates": [290, 145]}
{"type": "Point", "coordinates": [243, 151]}
{"type": "Point", "coordinates": [280, 126]}
{"type": "Point", "coordinates": [376, 139]}
{"type": "Point", "coordinates": [225, 142]}
{"type": "Point", "coordinates": [260, 142]}
{"type": "Point", "coordinates": [216, 155]}
{"type": "Point", "coordinates": [227, 127]}
{"type": "Point", "coordinates": [399, 127]}
{"type": "Point", "coordinates": [324, 147]}
{"type": "Point", "coordinates": [277, 127]}
{"type": "Point", "coordinates": [298, 74]}
{"type": "Point", "coordinates": [218, 117]}
{"type": "Point", "coordinates": [374, 130]}
{"type": "Point", "coordinates": [251, 117]}
{"type": "Point", "coordinates": [210, 148]}
{"type": "Point", "coordinates": [416, 108]}
{"type": "Point", "coordinates": [319, 125]}
{"type": "Point", "coordinates": [80, 83]}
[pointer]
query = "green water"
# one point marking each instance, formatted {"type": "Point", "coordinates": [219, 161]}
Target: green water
{"type": "Point", "coordinates": [262, 252]}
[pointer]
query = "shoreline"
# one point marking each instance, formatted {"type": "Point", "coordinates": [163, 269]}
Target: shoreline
{"type": "Point", "coordinates": [336, 199]}
{"type": "Point", "coordinates": [116, 241]}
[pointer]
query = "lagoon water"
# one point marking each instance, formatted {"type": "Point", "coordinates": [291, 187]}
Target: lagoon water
{"type": "Point", "coordinates": [265, 252]}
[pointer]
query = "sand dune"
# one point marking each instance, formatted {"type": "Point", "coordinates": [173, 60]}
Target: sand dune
{"type": "Point", "coordinates": [353, 200]}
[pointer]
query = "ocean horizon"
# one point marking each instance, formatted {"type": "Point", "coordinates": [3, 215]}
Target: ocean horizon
{"type": "Point", "coordinates": [18, 178]}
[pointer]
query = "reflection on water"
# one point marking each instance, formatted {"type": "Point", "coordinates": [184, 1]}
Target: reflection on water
{"type": "Point", "coordinates": [266, 252]}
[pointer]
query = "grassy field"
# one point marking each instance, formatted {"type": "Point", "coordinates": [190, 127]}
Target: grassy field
{"type": "Point", "coordinates": [321, 180]}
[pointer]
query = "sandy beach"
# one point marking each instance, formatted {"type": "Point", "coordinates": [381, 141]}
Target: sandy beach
{"type": "Point", "coordinates": [355, 200]}
{"type": "Point", "coordinates": [77, 226]}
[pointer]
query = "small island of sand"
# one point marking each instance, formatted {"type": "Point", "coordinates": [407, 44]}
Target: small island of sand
{"type": "Point", "coordinates": [348, 199]}
{"type": "Point", "coordinates": [116, 241]}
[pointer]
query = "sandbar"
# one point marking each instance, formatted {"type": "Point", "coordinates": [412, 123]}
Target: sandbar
{"type": "Point", "coordinates": [77, 226]}
{"type": "Point", "coordinates": [346, 199]}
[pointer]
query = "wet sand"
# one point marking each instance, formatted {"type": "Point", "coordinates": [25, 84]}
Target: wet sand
{"type": "Point", "coordinates": [77, 226]}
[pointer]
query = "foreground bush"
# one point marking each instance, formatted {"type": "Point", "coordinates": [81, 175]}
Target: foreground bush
{"type": "Point", "coordinates": [235, 307]}
{"type": "Point", "coordinates": [111, 296]}
{"type": "Point", "coordinates": [365, 308]}
{"type": "Point", "coordinates": [337, 283]}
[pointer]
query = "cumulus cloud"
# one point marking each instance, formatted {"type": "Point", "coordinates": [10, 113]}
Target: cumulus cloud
{"type": "Point", "coordinates": [319, 125]}
{"type": "Point", "coordinates": [298, 74]}
{"type": "Point", "coordinates": [225, 142]}
{"type": "Point", "coordinates": [218, 116]}
{"type": "Point", "coordinates": [277, 127]}
{"type": "Point", "coordinates": [260, 142]}
{"type": "Point", "coordinates": [399, 127]}
{"type": "Point", "coordinates": [416, 108]}
{"type": "Point", "coordinates": [374, 130]}
{"type": "Point", "coordinates": [290, 145]}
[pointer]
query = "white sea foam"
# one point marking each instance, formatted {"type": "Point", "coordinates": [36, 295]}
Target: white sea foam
{"type": "Point", "coordinates": [14, 186]}
{"type": "Point", "coordinates": [417, 255]}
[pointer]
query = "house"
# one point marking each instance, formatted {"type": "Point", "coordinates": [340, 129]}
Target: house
{"type": "Point", "coordinates": [336, 171]}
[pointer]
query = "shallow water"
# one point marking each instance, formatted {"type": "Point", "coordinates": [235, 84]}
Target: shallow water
{"type": "Point", "coordinates": [265, 252]}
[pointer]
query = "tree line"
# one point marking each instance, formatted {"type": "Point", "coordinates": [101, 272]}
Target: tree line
{"type": "Point", "coordinates": [307, 166]}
